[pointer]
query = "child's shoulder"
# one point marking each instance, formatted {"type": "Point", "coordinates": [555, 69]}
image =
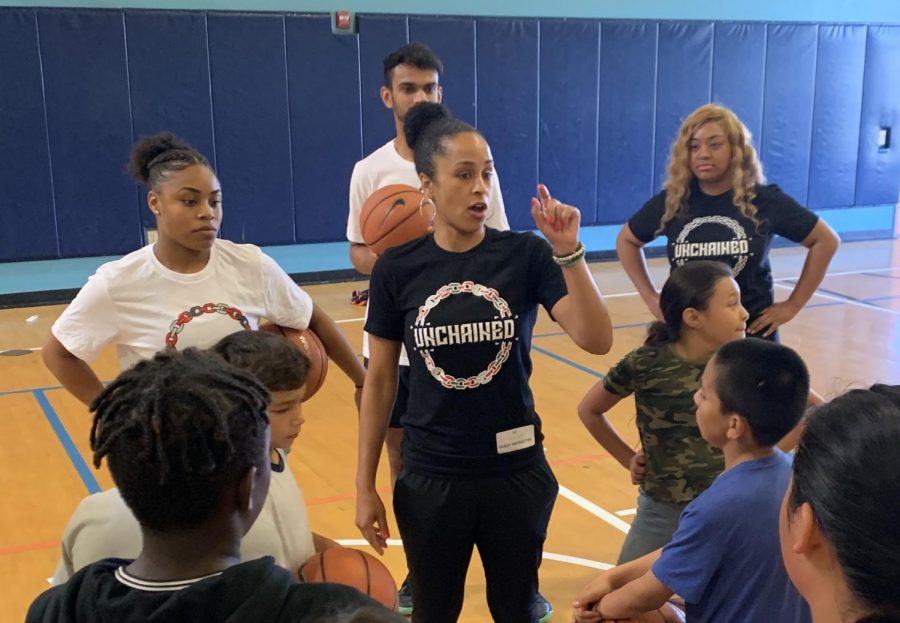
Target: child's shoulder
{"type": "Point", "coordinates": [745, 485]}
{"type": "Point", "coordinates": [659, 359]}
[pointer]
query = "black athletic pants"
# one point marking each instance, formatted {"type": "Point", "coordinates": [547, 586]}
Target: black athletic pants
{"type": "Point", "coordinates": [505, 517]}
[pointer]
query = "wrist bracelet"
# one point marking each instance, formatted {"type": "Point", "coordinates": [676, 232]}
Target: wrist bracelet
{"type": "Point", "coordinates": [573, 258]}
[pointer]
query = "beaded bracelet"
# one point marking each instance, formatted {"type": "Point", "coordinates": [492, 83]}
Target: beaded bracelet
{"type": "Point", "coordinates": [573, 258]}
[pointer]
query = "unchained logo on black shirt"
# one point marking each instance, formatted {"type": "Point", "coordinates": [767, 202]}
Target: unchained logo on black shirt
{"type": "Point", "coordinates": [736, 251]}
{"type": "Point", "coordinates": [500, 331]}
{"type": "Point", "coordinates": [469, 333]}
{"type": "Point", "coordinates": [711, 227]}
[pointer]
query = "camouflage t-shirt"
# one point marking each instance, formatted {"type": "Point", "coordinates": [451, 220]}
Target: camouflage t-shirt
{"type": "Point", "coordinates": [680, 464]}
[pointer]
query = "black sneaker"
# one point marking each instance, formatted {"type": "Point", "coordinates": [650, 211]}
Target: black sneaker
{"type": "Point", "coordinates": [543, 608]}
{"type": "Point", "coordinates": [404, 598]}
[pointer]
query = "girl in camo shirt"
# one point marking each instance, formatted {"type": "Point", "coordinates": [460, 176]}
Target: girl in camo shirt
{"type": "Point", "coordinates": [701, 304]}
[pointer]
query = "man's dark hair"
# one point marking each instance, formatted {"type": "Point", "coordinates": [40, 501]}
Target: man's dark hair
{"type": "Point", "coordinates": [415, 54]}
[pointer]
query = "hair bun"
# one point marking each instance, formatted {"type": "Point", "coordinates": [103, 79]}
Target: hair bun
{"type": "Point", "coordinates": [420, 117]}
{"type": "Point", "coordinates": [147, 149]}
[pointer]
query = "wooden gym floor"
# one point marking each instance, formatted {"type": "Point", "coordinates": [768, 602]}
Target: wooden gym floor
{"type": "Point", "coordinates": [849, 335]}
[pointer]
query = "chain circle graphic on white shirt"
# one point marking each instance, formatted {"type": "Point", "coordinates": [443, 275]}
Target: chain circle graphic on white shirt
{"type": "Point", "coordinates": [739, 235]}
{"type": "Point", "coordinates": [485, 376]}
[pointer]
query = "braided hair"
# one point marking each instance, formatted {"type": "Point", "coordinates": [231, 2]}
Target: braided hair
{"type": "Point", "coordinates": [154, 157]}
{"type": "Point", "coordinates": [175, 431]}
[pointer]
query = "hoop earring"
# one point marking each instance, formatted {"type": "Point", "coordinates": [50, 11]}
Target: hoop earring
{"type": "Point", "coordinates": [433, 207]}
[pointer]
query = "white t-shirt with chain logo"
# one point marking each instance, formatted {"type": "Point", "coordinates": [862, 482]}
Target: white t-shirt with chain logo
{"type": "Point", "coordinates": [143, 307]}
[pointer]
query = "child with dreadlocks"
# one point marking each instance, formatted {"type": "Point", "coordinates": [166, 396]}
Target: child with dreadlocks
{"type": "Point", "coordinates": [103, 526]}
{"type": "Point", "coordinates": [187, 441]}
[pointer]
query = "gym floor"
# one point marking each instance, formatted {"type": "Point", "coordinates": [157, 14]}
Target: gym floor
{"type": "Point", "coordinates": [849, 335]}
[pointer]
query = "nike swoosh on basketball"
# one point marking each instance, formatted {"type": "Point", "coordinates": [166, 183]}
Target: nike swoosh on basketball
{"type": "Point", "coordinates": [399, 202]}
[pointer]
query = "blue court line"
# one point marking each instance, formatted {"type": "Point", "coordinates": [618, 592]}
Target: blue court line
{"type": "Point", "coordinates": [865, 302]}
{"type": "Point", "coordinates": [87, 477]}
{"type": "Point", "coordinates": [881, 275]}
{"type": "Point", "coordinates": [872, 299]}
{"type": "Point", "coordinates": [568, 362]}
{"type": "Point", "coordinates": [10, 392]}
{"type": "Point", "coordinates": [633, 325]}
{"type": "Point", "coordinates": [587, 370]}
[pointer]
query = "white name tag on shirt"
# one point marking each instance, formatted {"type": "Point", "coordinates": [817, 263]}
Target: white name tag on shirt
{"type": "Point", "coordinates": [515, 439]}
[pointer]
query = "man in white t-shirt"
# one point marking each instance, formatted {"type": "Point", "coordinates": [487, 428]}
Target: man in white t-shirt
{"type": "Point", "coordinates": [411, 75]}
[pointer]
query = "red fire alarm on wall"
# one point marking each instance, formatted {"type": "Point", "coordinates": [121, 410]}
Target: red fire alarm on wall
{"type": "Point", "coordinates": [343, 22]}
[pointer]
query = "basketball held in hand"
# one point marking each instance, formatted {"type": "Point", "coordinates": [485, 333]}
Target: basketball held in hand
{"type": "Point", "coordinates": [311, 346]}
{"type": "Point", "coordinates": [352, 567]}
{"type": "Point", "coordinates": [669, 613]}
{"type": "Point", "coordinates": [391, 216]}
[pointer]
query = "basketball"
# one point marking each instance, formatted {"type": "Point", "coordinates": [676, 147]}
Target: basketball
{"type": "Point", "coordinates": [667, 614]}
{"type": "Point", "coordinates": [391, 217]}
{"type": "Point", "coordinates": [311, 346]}
{"type": "Point", "coordinates": [352, 567]}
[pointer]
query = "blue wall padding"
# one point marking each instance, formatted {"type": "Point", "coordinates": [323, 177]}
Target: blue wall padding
{"type": "Point", "coordinates": [378, 36]}
{"type": "Point", "coordinates": [325, 131]}
{"type": "Point", "coordinates": [283, 108]}
{"type": "Point", "coordinates": [89, 127]}
{"type": "Point", "coordinates": [168, 71]}
{"type": "Point", "coordinates": [453, 40]}
{"type": "Point", "coordinates": [683, 83]}
{"type": "Point", "coordinates": [627, 117]}
{"type": "Point", "coordinates": [879, 169]}
{"type": "Point", "coordinates": [253, 142]}
{"type": "Point", "coordinates": [27, 224]}
{"type": "Point", "coordinates": [836, 113]}
{"type": "Point", "coordinates": [567, 159]}
{"type": "Point", "coordinates": [788, 106]}
{"type": "Point", "coordinates": [507, 103]}
{"type": "Point", "coordinates": [739, 72]}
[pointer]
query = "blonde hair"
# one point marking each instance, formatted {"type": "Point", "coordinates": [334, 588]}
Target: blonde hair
{"type": "Point", "coordinates": [746, 169]}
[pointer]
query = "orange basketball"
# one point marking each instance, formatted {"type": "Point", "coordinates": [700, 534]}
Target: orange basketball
{"type": "Point", "coordinates": [391, 217]}
{"type": "Point", "coordinates": [311, 346]}
{"type": "Point", "coordinates": [667, 614]}
{"type": "Point", "coordinates": [355, 568]}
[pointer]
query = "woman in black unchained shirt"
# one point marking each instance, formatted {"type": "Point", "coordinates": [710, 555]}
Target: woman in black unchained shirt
{"type": "Point", "coordinates": [464, 301]}
{"type": "Point", "coordinates": [715, 205]}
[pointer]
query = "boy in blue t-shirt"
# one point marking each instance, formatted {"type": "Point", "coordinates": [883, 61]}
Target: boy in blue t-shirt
{"type": "Point", "coordinates": [724, 560]}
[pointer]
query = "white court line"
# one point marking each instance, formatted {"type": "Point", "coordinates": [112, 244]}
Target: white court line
{"type": "Point", "coordinates": [628, 512]}
{"type": "Point", "coordinates": [593, 509]}
{"type": "Point", "coordinates": [835, 274]}
{"type": "Point", "coordinates": [349, 542]}
{"type": "Point", "coordinates": [844, 273]}
{"type": "Point", "coordinates": [619, 295]}
{"type": "Point", "coordinates": [572, 560]}
{"type": "Point", "coordinates": [848, 301]}
{"type": "Point", "coordinates": [625, 294]}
